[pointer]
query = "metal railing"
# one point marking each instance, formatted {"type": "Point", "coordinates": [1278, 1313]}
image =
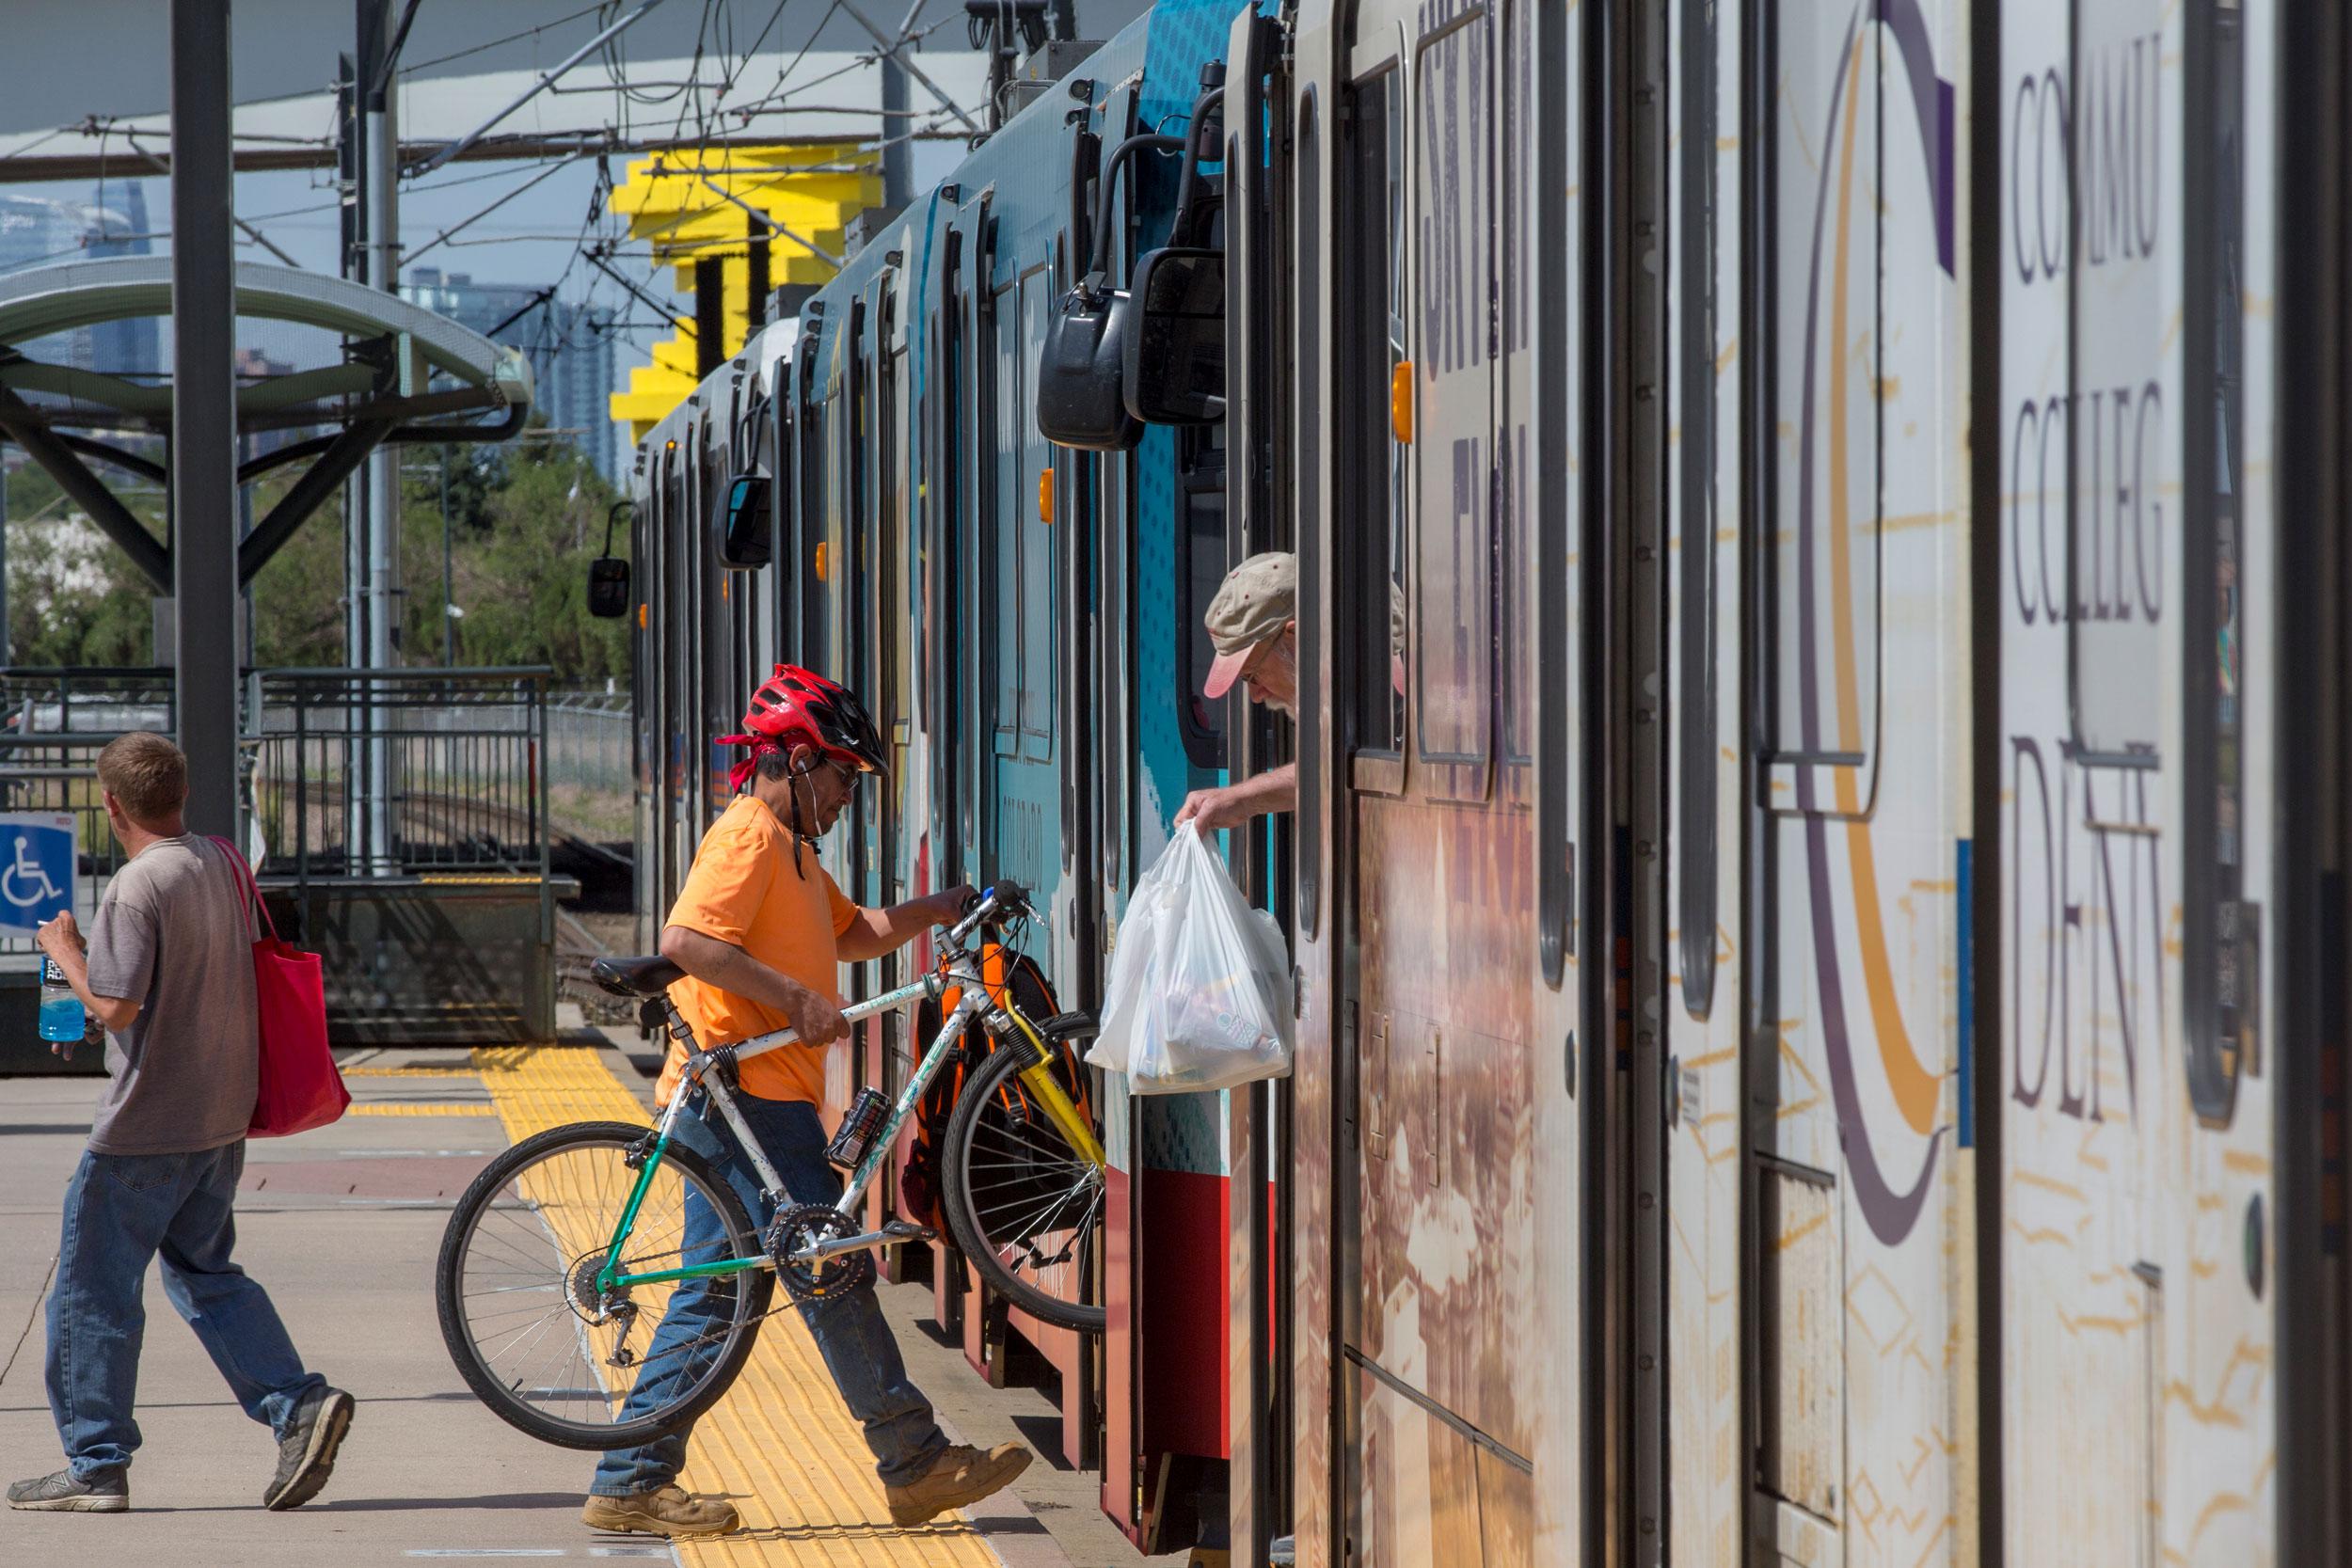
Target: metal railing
{"type": "Point", "coordinates": [465, 786]}
{"type": "Point", "coordinates": [465, 755]}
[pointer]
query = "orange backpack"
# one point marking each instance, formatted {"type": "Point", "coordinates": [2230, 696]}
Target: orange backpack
{"type": "Point", "coordinates": [1013, 976]}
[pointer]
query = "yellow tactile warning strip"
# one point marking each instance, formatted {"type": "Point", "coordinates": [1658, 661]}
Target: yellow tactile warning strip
{"type": "Point", "coordinates": [399, 1109]}
{"type": "Point", "coordinates": [410, 1072]}
{"type": "Point", "coordinates": [780, 1445]}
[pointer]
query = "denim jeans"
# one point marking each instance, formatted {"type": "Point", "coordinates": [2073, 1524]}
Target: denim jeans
{"type": "Point", "coordinates": [849, 1331]}
{"type": "Point", "coordinates": [121, 1209]}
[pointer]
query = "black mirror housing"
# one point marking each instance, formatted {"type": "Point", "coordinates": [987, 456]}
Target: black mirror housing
{"type": "Point", "coordinates": [1081, 372]}
{"type": "Point", "coordinates": [607, 587]}
{"type": "Point", "coordinates": [746, 533]}
{"type": "Point", "coordinates": [1174, 371]}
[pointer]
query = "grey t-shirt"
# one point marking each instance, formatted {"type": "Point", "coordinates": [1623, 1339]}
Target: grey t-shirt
{"type": "Point", "coordinates": [171, 935]}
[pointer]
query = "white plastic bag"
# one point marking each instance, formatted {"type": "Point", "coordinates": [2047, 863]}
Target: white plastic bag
{"type": "Point", "coordinates": [1199, 992]}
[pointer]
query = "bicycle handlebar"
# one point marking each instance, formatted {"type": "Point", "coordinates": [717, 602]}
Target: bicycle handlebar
{"type": "Point", "coordinates": [1007, 900]}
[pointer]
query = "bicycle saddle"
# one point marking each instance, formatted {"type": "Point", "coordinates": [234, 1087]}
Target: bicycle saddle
{"type": "Point", "coordinates": [649, 975]}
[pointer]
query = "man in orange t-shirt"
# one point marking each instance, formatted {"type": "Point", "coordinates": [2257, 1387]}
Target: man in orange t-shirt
{"type": "Point", "coordinates": [762, 931]}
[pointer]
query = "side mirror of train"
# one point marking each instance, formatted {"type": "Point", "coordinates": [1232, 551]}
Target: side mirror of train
{"type": "Point", "coordinates": [607, 587]}
{"type": "Point", "coordinates": [608, 575]}
{"type": "Point", "coordinates": [1081, 370]}
{"type": "Point", "coordinates": [1175, 369]}
{"type": "Point", "coordinates": [746, 535]}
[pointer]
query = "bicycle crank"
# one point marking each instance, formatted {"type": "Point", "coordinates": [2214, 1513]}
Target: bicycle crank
{"type": "Point", "coordinates": [816, 1253]}
{"type": "Point", "coordinates": [896, 1233]}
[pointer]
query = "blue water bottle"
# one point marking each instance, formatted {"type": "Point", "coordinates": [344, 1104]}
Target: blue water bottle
{"type": "Point", "coordinates": [60, 1009]}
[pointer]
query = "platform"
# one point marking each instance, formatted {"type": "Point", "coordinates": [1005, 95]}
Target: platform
{"type": "Point", "coordinates": [342, 1226]}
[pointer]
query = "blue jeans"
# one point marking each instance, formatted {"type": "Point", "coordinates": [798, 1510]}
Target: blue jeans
{"type": "Point", "coordinates": [121, 1209]}
{"type": "Point", "coordinates": [849, 1331]}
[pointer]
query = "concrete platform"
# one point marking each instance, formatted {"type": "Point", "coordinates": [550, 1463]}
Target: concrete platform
{"type": "Point", "coordinates": [342, 1226]}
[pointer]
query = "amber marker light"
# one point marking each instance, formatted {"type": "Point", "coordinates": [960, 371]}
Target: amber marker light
{"type": "Point", "coordinates": [1400, 401]}
{"type": "Point", "coordinates": [1045, 498]}
{"type": "Point", "coordinates": [821, 562]}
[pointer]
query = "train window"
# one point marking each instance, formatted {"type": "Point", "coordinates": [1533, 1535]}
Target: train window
{"type": "Point", "coordinates": [1521, 261]}
{"type": "Point", "coordinates": [2221, 975]}
{"type": "Point", "coordinates": [1037, 530]}
{"type": "Point", "coordinates": [813, 466]}
{"type": "Point", "coordinates": [2116, 433]}
{"type": "Point", "coordinates": [1201, 537]}
{"type": "Point", "coordinates": [1307, 378]}
{"type": "Point", "coordinates": [1454, 579]}
{"type": "Point", "coordinates": [1821, 543]}
{"type": "Point", "coordinates": [1003, 533]}
{"type": "Point", "coordinates": [1695, 502]}
{"type": "Point", "coordinates": [827, 566]}
{"type": "Point", "coordinates": [1375, 505]}
{"type": "Point", "coordinates": [897, 611]}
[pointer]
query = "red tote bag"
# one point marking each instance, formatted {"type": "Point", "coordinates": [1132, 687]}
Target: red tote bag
{"type": "Point", "coordinates": [300, 1085]}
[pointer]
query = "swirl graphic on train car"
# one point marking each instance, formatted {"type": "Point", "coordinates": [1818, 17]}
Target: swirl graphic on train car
{"type": "Point", "coordinates": [1890, 1211]}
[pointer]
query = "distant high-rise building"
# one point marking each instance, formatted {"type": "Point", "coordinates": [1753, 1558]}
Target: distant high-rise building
{"type": "Point", "coordinates": [569, 346]}
{"type": "Point", "coordinates": [45, 230]}
{"type": "Point", "coordinates": [128, 347]}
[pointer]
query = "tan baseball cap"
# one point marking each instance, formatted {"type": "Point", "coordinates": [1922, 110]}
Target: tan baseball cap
{"type": "Point", "coordinates": [1258, 598]}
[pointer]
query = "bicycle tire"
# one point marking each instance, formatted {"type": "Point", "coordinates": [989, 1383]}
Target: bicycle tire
{"type": "Point", "coordinates": [964, 1221]}
{"type": "Point", "coordinates": [494, 1390]}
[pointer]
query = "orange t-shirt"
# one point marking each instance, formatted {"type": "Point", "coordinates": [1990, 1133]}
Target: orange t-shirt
{"type": "Point", "coordinates": [742, 891]}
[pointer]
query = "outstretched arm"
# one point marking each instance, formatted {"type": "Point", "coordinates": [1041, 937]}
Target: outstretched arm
{"type": "Point", "coordinates": [875, 933]}
{"type": "Point", "coordinates": [1276, 789]}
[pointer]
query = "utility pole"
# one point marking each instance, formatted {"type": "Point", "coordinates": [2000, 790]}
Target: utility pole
{"type": "Point", "coordinates": [203, 414]}
{"type": "Point", "coordinates": [898, 164]}
{"type": "Point", "coordinates": [379, 185]}
{"type": "Point", "coordinates": [449, 598]}
{"type": "Point", "coordinates": [351, 154]}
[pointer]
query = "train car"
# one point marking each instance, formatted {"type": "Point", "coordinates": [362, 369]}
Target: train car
{"type": "Point", "coordinates": [1818, 885]}
{"type": "Point", "coordinates": [1024, 622]}
{"type": "Point", "coordinates": [1784, 1076]}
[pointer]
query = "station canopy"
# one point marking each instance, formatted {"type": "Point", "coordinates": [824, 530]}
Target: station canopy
{"type": "Point", "coordinates": [328, 371]}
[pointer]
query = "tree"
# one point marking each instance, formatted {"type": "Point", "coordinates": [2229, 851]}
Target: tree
{"type": "Point", "coordinates": [525, 518]}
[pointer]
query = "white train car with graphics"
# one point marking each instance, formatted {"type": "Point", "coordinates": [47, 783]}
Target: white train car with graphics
{"type": "Point", "coordinates": [1822, 968]}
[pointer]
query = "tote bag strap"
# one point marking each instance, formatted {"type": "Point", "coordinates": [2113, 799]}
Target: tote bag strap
{"type": "Point", "coordinates": [252, 889]}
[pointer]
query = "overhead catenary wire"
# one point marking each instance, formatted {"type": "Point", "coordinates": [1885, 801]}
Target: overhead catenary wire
{"type": "Point", "coordinates": [446, 235]}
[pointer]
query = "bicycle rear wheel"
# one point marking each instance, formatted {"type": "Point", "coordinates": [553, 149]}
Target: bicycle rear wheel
{"type": "Point", "coordinates": [1025, 1207]}
{"type": "Point", "coordinates": [526, 1324]}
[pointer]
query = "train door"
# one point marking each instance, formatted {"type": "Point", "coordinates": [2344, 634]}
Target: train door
{"type": "Point", "coordinates": [979, 488]}
{"type": "Point", "coordinates": [2138, 699]}
{"type": "Point", "coordinates": [1435, 882]}
{"type": "Point", "coordinates": [806, 586]}
{"type": "Point", "coordinates": [1702, 999]}
{"type": "Point", "coordinates": [1856, 1161]}
{"type": "Point", "coordinates": [680, 700]}
{"type": "Point", "coordinates": [1022, 550]}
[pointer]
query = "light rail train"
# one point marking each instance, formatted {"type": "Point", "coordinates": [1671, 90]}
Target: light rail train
{"type": "Point", "coordinates": [1819, 881]}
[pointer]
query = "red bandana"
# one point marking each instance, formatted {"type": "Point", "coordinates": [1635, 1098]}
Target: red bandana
{"type": "Point", "coordinates": [740, 774]}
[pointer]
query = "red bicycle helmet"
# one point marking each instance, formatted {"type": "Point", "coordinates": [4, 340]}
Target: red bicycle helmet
{"type": "Point", "coordinates": [800, 708]}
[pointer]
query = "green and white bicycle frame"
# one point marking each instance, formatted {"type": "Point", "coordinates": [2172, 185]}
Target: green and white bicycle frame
{"type": "Point", "coordinates": [711, 1069]}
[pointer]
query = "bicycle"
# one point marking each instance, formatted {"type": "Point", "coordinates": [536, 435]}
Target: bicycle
{"type": "Point", "coordinates": [566, 1253]}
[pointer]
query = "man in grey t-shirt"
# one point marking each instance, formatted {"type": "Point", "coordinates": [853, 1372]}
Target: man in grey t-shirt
{"type": "Point", "coordinates": [169, 972]}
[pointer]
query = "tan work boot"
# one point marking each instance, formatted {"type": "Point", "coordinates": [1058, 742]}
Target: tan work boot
{"type": "Point", "coordinates": [670, 1511]}
{"type": "Point", "coordinates": [960, 1477]}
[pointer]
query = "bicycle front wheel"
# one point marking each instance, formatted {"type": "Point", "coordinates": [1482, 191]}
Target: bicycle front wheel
{"type": "Point", "coordinates": [531, 1332]}
{"type": "Point", "coordinates": [1025, 1207]}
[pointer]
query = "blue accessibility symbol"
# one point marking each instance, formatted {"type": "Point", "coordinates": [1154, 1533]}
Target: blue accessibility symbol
{"type": "Point", "coordinates": [37, 866]}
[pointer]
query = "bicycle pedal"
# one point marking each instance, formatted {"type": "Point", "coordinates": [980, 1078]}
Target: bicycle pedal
{"type": "Point", "coordinates": [907, 1230]}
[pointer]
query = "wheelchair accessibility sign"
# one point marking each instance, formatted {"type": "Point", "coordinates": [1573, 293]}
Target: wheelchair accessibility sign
{"type": "Point", "coordinates": [37, 866]}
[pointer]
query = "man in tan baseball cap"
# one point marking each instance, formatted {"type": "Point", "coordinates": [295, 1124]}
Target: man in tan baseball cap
{"type": "Point", "coordinates": [1253, 624]}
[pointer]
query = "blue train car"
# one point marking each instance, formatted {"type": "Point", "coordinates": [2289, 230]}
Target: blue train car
{"type": "Point", "coordinates": [1023, 619]}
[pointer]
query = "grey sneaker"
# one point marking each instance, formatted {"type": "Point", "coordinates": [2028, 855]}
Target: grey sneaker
{"type": "Point", "coordinates": [306, 1455]}
{"type": "Point", "coordinates": [62, 1494]}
